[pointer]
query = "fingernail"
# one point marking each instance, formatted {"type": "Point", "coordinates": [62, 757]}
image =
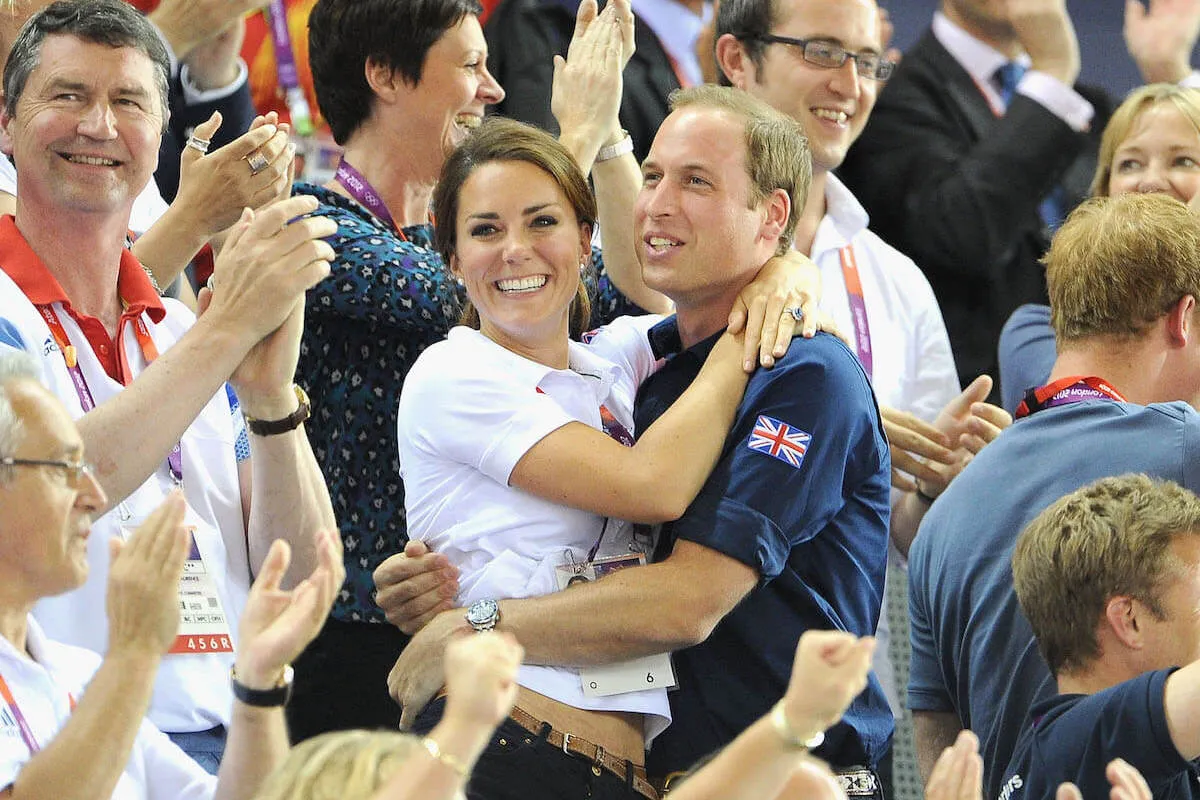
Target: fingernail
{"type": "Point", "coordinates": [748, 364]}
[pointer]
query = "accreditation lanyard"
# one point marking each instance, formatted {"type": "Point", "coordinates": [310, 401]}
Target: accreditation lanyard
{"type": "Point", "coordinates": [858, 309]}
{"type": "Point", "coordinates": [26, 732]}
{"type": "Point", "coordinates": [285, 63]}
{"type": "Point", "coordinates": [86, 399]}
{"type": "Point", "coordinates": [361, 190]}
{"type": "Point", "coordinates": [1064, 391]}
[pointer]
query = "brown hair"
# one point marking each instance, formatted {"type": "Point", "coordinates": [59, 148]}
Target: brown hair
{"type": "Point", "coordinates": [1120, 263]}
{"type": "Point", "coordinates": [1186, 100]}
{"type": "Point", "coordinates": [1111, 538]}
{"type": "Point", "coordinates": [499, 139]}
{"type": "Point", "coordinates": [777, 154]}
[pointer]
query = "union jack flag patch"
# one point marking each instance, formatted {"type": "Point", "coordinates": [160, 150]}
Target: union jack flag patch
{"type": "Point", "coordinates": [779, 440]}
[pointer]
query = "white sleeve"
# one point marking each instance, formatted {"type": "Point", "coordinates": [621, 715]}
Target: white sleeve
{"type": "Point", "coordinates": [475, 415]}
{"type": "Point", "coordinates": [625, 341]}
{"type": "Point", "coordinates": [935, 382]}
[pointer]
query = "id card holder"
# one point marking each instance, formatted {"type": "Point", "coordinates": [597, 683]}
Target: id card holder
{"type": "Point", "coordinates": [635, 675]}
{"type": "Point", "coordinates": [203, 626]}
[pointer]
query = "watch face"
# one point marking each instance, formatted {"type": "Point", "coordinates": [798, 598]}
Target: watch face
{"type": "Point", "coordinates": [483, 612]}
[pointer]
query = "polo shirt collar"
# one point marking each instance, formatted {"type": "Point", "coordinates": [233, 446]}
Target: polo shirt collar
{"type": "Point", "coordinates": [42, 288]}
{"type": "Point", "coordinates": [666, 343]}
{"type": "Point", "coordinates": [35, 644]}
{"type": "Point", "coordinates": [582, 362]}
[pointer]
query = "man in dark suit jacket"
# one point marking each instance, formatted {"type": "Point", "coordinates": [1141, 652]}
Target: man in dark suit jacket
{"type": "Point", "coordinates": [956, 168]}
{"type": "Point", "coordinates": [524, 35]}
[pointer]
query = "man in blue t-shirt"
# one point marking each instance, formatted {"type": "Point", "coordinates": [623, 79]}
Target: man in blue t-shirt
{"type": "Point", "coordinates": [790, 531]}
{"type": "Point", "coordinates": [1124, 275]}
{"type": "Point", "coordinates": [1108, 577]}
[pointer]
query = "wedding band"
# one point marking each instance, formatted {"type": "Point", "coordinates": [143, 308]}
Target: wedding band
{"type": "Point", "coordinates": [258, 162]}
{"type": "Point", "coordinates": [198, 144]}
{"type": "Point", "coordinates": [796, 312]}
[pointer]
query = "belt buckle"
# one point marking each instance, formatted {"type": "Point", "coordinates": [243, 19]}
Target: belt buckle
{"type": "Point", "coordinates": [860, 783]}
{"type": "Point", "coordinates": [566, 741]}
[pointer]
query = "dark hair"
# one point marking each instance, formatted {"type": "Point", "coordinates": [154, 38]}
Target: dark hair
{"type": "Point", "coordinates": [746, 20]}
{"type": "Point", "coordinates": [499, 139]}
{"type": "Point", "coordinates": [109, 22]}
{"type": "Point", "coordinates": [345, 35]}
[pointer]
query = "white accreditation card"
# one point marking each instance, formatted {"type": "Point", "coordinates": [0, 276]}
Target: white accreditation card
{"type": "Point", "coordinates": [648, 672]}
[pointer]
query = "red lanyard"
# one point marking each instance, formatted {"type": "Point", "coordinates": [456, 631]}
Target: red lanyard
{"type": "Point", "coordinates": [858, 309]}
{"type": "Point", "coordinates": [26, 732]}
{"type": "Point", "coordinates": [86, 400]}
{"type": "Point", "coordinates": [1064, 391]}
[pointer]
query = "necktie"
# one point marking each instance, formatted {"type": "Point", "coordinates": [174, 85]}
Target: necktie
{"type": "Point", "coordinates": [1053, 208]}
{"type": "Point", "coordinates": [1007, 77]}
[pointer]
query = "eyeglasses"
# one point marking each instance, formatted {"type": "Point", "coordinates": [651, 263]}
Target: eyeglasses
{"type": "Point", "coordinates": [823, 53]}
{"type": "Point", "coordinates": [72, 472]}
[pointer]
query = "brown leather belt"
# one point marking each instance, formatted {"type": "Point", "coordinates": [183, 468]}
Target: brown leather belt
{"type": "Point", "coordinates": [574, 745]}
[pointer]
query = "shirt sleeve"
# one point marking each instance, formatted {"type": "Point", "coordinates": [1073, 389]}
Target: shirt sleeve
{"type": "Point", "coordinates": [1027, 353]}
{"type": "Point", "coordinates": [475, 415]}
{"type": "Point", "coordinates": [1058, 98]}
{"type": "Point", "coordinates": [8, 176]}
{"type": "Point", "coordinates": [756, 506]}
{"type": "Point", "coordinates": [926, 686]}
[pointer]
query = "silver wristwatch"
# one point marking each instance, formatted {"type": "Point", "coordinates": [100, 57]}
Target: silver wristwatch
{"type": "Point", "coordinates": [483, 615]}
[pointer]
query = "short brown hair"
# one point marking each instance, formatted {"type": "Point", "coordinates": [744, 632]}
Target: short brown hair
{"type": "Point", "coordinates": [500, 139]}
{"type": "Point", "coordinates": [1110, 538]}
{"type": "Point", "coordinates": [777, 154]}
{"type": "Point", "coordinates": [1118, 264]}
{"type": "Point", "coordinates": [1186, 100]}
{"type": "Point", "coordinates": [344, 765]}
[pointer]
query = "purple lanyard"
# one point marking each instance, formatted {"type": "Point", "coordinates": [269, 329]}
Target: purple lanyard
{"type": "Point", "coordinates": [361, 190]}
{"type": "Point", "coordinates": [858, 309]}
{"type": "Point", "coordinates": [289, 75]}
{"type": "Point", "coordinates": [22, 725]}
{"type": "Point", "coordinates": [86, 400]}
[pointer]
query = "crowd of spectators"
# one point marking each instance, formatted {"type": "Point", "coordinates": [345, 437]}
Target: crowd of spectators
{"type": "Point", "coordinates": [425, 399]}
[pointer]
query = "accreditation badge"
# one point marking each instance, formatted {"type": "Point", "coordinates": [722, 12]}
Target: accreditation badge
{"type": "Point", "coordinates": [203, 626]}
{"type": "Point", "coordinates": [636, 675]}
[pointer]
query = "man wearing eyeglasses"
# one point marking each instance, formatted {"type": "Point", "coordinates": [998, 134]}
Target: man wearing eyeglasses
{"type": "Point", "coordinates": [984, 141]}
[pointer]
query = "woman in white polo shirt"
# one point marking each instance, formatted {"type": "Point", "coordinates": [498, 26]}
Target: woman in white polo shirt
{"type": "Point", "coordinates": [516, 451]}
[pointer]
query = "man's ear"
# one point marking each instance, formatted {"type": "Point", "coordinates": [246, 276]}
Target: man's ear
{"type": "Point", "coordinates": [1122, 616]}
{"type": "Point", "coordinates": [1181, 322]}
{"type": "Point", "coordinates": [733, 61]}
{"type": "Point", "coordinates": [6, 142]}
{"type": "Point", "coordinates": [778, 208]}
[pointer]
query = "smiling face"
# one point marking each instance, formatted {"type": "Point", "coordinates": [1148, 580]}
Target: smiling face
{"type": "Point", "coordinates": [832, 105]}
{"type": "Point", "coordinates": [86, 130]}
{"type": "Point", "coordinates": [1161, 154]}
{"type": "Point", "coordinates": [699, 223]}
{"type": "Point", "coordinates": [519, 247]}
{"type": "Point", "coordinates": [455, 87]}
{"type": "Point", "coordinates": [45, 516]}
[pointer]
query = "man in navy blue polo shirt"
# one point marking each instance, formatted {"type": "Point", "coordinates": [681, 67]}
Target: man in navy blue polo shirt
{"type": "Point", "coordinates": [1109, 577]}
{"type": "Point", "coordinates": [790, 532]}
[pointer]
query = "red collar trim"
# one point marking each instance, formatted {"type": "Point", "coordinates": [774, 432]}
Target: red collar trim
{"type": "Point", "coordinates": [42, 288]}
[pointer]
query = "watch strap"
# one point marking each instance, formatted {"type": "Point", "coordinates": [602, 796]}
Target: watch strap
{"type": "Point", "coordinates": [616, 149]}
{"type": "Point", "coordinates": [274, 427]}
{"type": "Point", "coordinates": [263, 698]}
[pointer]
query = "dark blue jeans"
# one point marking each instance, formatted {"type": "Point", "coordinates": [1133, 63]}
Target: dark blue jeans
{"type": "Point", "coordinates": [519, 765]}
{"type": "Point", "coordinates": [205, 747]}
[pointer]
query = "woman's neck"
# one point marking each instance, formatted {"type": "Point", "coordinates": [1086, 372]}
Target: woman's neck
{"type": "Point", "coordinates": [405, 187]}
